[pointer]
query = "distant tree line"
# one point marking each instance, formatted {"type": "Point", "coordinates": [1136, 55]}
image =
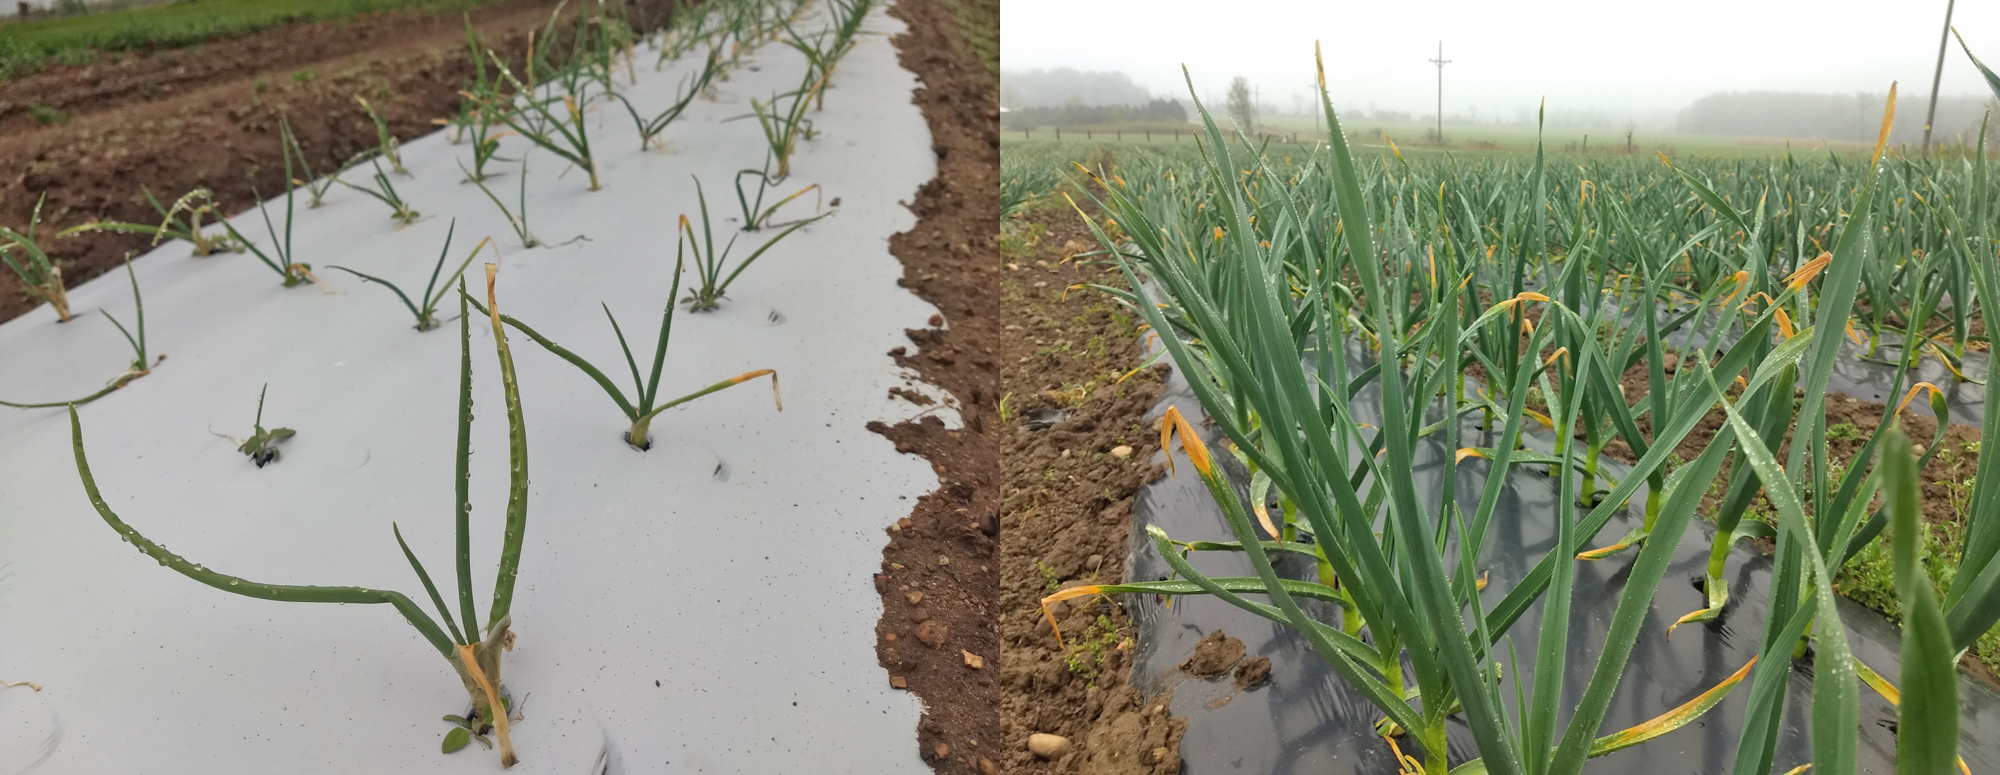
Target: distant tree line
{"type": "Point", "coordinates": [1853, 117]}
{"type": "Point", "coordinates": [1054, 88]}
{"type": "Point", "coordinates": [1079, 114]}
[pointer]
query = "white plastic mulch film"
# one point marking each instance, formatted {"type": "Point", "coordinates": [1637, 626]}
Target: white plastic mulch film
{"type": "Point", "coordinates": [705, 606]}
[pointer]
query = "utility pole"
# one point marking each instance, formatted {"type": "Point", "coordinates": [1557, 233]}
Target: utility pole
{"type": "Point", "coordinates": [1943, 38]}
{"type": "Point", "coordinates": [1440, 61]}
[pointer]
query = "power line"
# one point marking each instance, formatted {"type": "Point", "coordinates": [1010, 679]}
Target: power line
{"type": "Point", "coordinates": [1943, 38]}
{"type": "Point", "coordinates": [1440, 61]}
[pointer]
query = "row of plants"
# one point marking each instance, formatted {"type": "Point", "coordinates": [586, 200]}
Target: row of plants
{"type": "Point", "coordinates": [1517, 296]}
{"type": "Point", "coordinates": [571, 70]}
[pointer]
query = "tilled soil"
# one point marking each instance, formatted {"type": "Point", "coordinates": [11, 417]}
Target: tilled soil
{"type": "Point", "coordinates": [1036, 486]}
{"type": "Point", "coordinates": [207, 117]}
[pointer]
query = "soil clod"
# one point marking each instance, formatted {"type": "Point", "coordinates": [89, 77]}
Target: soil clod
{"type": "Point", "coordinates": [1213, 656]}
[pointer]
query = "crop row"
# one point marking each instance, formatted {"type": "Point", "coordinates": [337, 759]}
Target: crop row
{"type": "Point", "coordinates": [1522, 293]}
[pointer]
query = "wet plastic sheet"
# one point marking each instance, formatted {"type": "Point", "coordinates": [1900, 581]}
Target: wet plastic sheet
{"type": "Point", "coordinates": [1306, 719]}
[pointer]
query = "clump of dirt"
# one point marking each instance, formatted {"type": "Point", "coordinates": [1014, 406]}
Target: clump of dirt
{"type": "Point", "coordinates": [179, 120]}
{"type": "Point", "coordinates": [1213, 655]}
{"type": "Point", "coordinates": [1252, 671]}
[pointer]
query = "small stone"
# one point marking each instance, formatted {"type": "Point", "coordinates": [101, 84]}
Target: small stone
{"type": "Point", "coordinates": [904, 447]}
{"type": "Point", "coordinates": [897, 682]}
{"type": "Point", "coordinates": [972, 660]}
{"type": "Point", "coordinates": [1095, 561]}
{"type": "Point", "coordinates": [889, 637]}
{"type": "Point", "coordinates": [1670, 361]}
{"type": "Point", "coordinates": [942, 751]}
{"type": "Point", "coordinates": [1047, 746]}
{"type": "Point", "coordinates": [906, 524]}
{"type": "Point", "coordinates": [1012, 267]}
{"type": "Point", "coordinates": [989, 523]}
{"type": "Point", "coordinates": [987, 767]}
{"type": "Point", "coordinates": [1121, 451]}
{"type": "Point", "coordinates": [914, 597]}
{"type": "Point", "coordinates": [937, 320]}
{"type": "Point", "coordinates": [942, 560]}
{"type": "Point", "coordinates": [1160, 754]}
{"type": "Point", "coordinates": [932, 633]}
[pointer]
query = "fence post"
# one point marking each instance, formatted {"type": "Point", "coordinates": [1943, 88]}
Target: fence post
{"type": "Point", "coordinates": [1087, 135]}
{"type": "Point", "coordinates": [1149, 135]}
{"type": "Point", "coordinates": [1058, 134]}
{"type": "Point", "coordinates": [1120, 133]}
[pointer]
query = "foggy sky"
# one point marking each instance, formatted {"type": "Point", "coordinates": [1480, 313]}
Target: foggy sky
{"type": "Point", "coordinates": [1640, 57]}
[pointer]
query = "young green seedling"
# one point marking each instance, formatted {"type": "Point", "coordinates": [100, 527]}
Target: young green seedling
{"type": "Point", "coordinates": [181, 221]}
{"type": "Point", "coordinates": [41, 276]}
{"type": "Point", "coordinates": [262, 446]}
{"type": "Point", "coordinates": [691, 87]}
{"type": "Point", "coordinates": [755, 215]}
{"type": "Point", "coordinates": [140, 365]}
{"type": "Point", "coordinates": [785, 123]}
{"type": "Point", "coordinates": [710, 263]}
{"type": "Point", "coordinates": [643, 407]}
{"type": "Point", "coordinates": [391, 149]}
{"type": "Point", "coordinates": [473, 657]}
{"type": "Point", "coordinates": [315, 184]}
{"type": "Point", "coordinates": [427, 314]}
{"type": "Point", "coordinates": [385, 192]}
{"type": "Point", "coordinates": [519, 222]}
{"type": "Point", "coordinates": [293, 272]}
{"type": "Point", "coordinates": [562, 134]}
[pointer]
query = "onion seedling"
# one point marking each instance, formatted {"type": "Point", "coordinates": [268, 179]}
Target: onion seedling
{"type": "Point", "coordinates": [824, 50]}
{"type": "Point", "coordinates": [427, 314]}
{"type": "Point", "coordinates": [262, 446]}
{"type": "Point", "coordinates": [474, 116]}
{"type": "Point", "coordinates": [391, 149]}
{"type": "Point", "coordinates": [293, 272]}
{"type": "Point", "coordinates": [643, 406]}
{"type": "Point", "coordinates": [518, 222]}
{"type": "Point", "coordinates": [710, 263]}
{"type": "Point", "coordinates": [181, 221]}
{"type": "Point", "coordinates": [690, 88]}
{"type": "Point", "coordinates": [475, 658]}
{"type": "Point", "coordinates": [755, 215]}
{"type": "Point", "coordinates": [539, 122]}
{"type": "Point", "coordinates": [785, 123]}
{"type": "Point", "coordinates": [140, 366]}
{"type": "Point", "coordinates": [385, 192]}
{"type": "Point", "coordinates": [41, 276]}
{"type": "Point", "coordinates": [315, 183]}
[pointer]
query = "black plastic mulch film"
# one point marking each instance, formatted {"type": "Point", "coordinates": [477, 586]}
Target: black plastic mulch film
{"type": "Point", "coordinates": [1305, 719]}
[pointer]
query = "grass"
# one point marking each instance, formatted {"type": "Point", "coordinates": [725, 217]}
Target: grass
{"type": "Point", "coordinates": [475, 658]}
{"type": "Point", "coordinates": [27, 47]}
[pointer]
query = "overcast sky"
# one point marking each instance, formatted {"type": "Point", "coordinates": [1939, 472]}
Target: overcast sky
{"type": "Point", "coordinates": [1621, 56]}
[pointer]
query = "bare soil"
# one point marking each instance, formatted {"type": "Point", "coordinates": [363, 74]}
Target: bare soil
{"type": "Point", "coordinates": [208, 116]}
{"type": "Point", "coordinates": [1019, 512]}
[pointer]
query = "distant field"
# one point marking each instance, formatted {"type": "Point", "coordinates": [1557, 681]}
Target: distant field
{"type": "Point", "coordinates": [1412, 138]}
{"type": "Point", "coordinates": [27, 47]}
